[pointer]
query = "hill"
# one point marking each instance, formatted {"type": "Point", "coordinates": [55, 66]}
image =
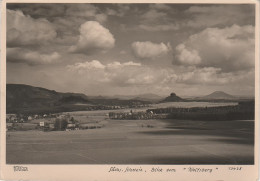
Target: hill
{"type": "Point", "coordinates": [218, 95]}
{"type": "Point", "coordinates": [173, 98]}
{"type": "Point", "coordinates": [22, 98]}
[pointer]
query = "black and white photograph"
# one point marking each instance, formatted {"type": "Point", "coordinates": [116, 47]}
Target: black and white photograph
{"type": "Point", "coordinates": [130, 84]}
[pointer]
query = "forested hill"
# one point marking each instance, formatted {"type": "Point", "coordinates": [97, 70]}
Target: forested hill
{"type": "Point", "coordinates": [22, 98]}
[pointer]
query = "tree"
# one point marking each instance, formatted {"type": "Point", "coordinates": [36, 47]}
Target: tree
{"type": "Point", "coordinates": [60, 124]}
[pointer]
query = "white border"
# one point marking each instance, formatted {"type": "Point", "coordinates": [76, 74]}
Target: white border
{"type": "Point", "coordinates": [100, 172]}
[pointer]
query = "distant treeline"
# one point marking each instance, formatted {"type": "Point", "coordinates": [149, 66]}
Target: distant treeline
{"type": "Point", "coordinates": [243, 111]}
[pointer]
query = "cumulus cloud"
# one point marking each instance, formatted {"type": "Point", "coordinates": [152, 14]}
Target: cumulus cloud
{"type": "Point", "coordinates": [84, 66]}
{"type": "Point", "coordinates": [117, 73]}
{"type": "Point", "coordinates": [24, 30]}
{"type": "Point", "coordinates": [209, 76]}
{"type": "Point", "coordinates": [149, 50]}
{"type": "Point", "coordinates": [206, 75]}
{"type": "Point", "coordinates": [230, 48]}
{"type": "Point", "coordinates": [120, 65]}
{"type": "Point", "coordinates": [135, 74]}
{"type": "Point", "coordinates": [20, 55]}
{"type": "Point", "coordinates": [186, 56]}
{"type": "Point", "coordinates": [93, 37]}
{"type": "Point", "coordinates": [95, 65]}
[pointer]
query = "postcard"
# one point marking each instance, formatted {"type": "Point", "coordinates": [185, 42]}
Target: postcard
{"type": "Point", "coordinates": [129, 90]}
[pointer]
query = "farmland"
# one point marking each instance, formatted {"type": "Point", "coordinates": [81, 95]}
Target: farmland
{"type": "Point", "coordinates": [167, 141]}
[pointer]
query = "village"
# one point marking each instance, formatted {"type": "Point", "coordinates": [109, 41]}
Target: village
{"type": "Point", "coordinates": [45, 122]}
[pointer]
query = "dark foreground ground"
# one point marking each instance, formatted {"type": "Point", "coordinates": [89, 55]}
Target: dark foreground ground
{"type": "Point", "coordinates": [138, 142]}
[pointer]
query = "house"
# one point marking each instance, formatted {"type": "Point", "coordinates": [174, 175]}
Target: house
{"type": "Point", "coordinates": [42, 123]}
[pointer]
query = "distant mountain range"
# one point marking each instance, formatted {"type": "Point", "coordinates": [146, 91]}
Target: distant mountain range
{"type": "Point", "coordinates": [144, 97]}
{"type": "Point", "coordinates": [26, 98]}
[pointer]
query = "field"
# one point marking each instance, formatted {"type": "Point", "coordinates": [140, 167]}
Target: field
{"type": "Point", "coordinates": [136, 142]}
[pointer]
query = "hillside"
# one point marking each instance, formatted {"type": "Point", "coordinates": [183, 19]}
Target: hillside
{"type": "Point", "coordinates": [173, 98]}
{"type": "Point", "coordinates": [20, 97]}
{"type": "Point", "coordinates": [28, 99]}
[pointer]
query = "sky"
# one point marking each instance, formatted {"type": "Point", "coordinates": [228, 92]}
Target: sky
{"type": "Point", "coordinates": [132, 49]}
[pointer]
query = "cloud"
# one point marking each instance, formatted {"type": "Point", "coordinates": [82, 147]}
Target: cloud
{"type": "Point", "coordinates": [116, 73]}
{"type": "Point", "coordinates": [93, 37]}
{"type": "Point", "coordinates": [207, 16]}
{"type": "Point", "coordinates": [119, 10]}
{"type": "Point", "coordinates": [122, 52]}
{"type": "Point", "coordinates": [37, 10]}
{"type": "Point", "coordinates": [206, 75]}
{"type": "Point", "coordinates": [148, 49]}
{"type": "Point", "coordinates": [101, 17]}
{"type": "Point", "coordinates": [95, 65]}
{"type": "Point", "coordinates": [20, 55]}
{"type": "Point", "coordinates": [86, 11]}
{"type": "Point", "coordinates": [230, 49]}
{"type": "Point", "coordinates": [24, 30]}
{"type": "Point", "coordinates": [85, 66]}
{"type": "Point", "coordinates": [153, 14]}
{"type": "Point", "coordinates": [120, 65]}
{"type": "Point", "coordinates": [134, 74]}
{"type": "Point", "coordinates": [162, 27]}
{"type": "Point", "coordinates": [209, 76]}
{"type": "Point", "coordinates": [158, 18]}
{"type": "Point", "coordinates": [188, 57]}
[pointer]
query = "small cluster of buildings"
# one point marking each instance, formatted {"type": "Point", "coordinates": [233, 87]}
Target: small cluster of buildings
{"type": "Point", "coordinates": [20, 118]}
{"type": "Point", "coordinates": [61, 123]}
{"type": "Point", "coordinates": [51, 122]}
